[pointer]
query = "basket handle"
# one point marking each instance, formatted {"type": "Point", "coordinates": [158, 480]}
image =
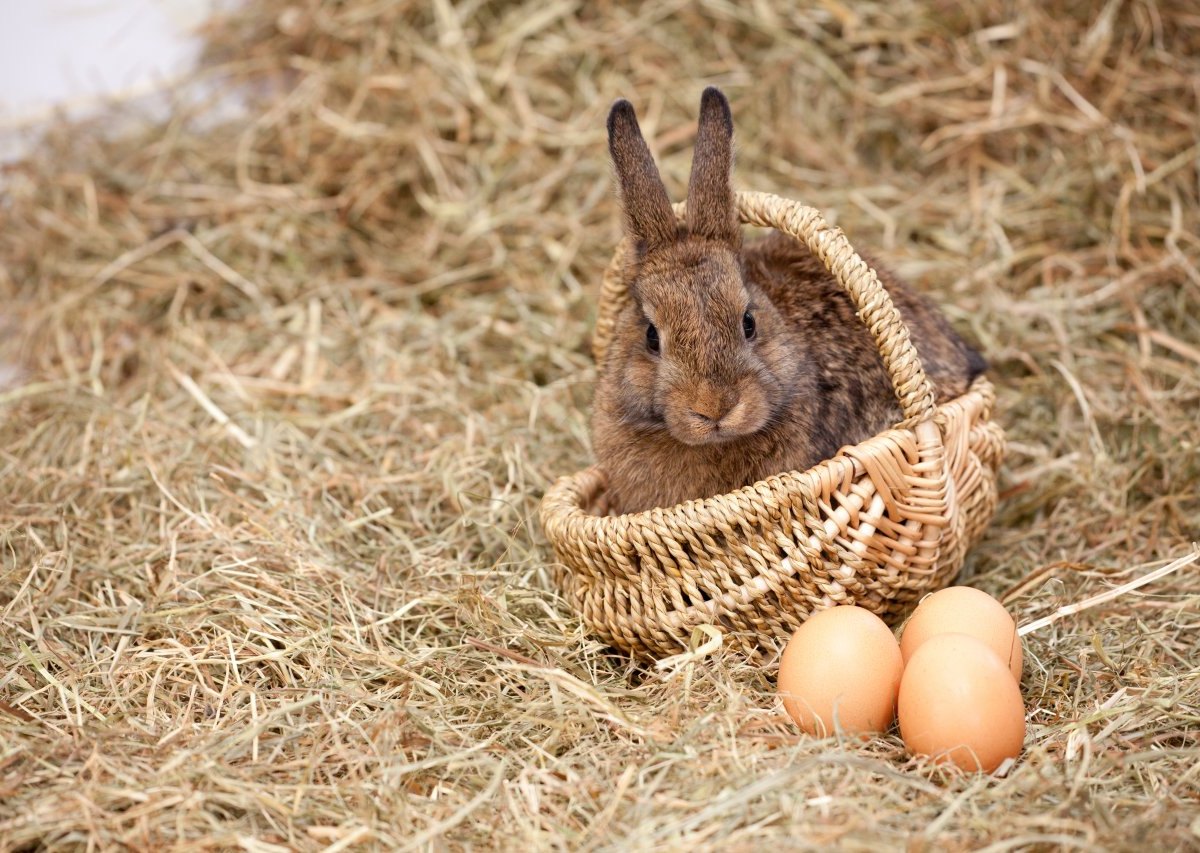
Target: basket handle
{"type": "Point", "coordinates": [874, 306]}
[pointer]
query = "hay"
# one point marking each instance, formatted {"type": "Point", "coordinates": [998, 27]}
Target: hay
{"type": "Point", "coordinates": [291, 388]}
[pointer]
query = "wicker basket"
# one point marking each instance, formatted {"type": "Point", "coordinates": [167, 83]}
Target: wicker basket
{"type": "Point", "coordinates": [879, 525]}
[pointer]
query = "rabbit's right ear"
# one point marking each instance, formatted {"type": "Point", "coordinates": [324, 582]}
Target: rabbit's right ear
{"type": "Point", "coordinates": [648, 216]}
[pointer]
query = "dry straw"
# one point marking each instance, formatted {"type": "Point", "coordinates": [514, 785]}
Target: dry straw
{"type": "Point", "coordinates": [879, 525]}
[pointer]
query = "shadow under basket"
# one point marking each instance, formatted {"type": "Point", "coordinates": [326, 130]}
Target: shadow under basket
{"type": "Point", "coordinates": [879, 525]}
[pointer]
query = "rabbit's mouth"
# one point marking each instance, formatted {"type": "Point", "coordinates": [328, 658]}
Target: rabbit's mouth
{"type": "Point", "coordinates": [699, 425]}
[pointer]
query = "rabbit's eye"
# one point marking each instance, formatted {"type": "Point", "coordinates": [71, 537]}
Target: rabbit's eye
{"type": "Point", "coordinates": [748, 325]}
{"type": "Point", "coordinates": [652, 338]}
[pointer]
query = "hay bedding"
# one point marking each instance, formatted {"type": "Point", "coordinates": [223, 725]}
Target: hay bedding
{"type": "Point", "coordinates": [291, 387]}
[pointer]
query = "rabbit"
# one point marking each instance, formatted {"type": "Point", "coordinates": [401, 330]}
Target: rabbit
{"type": "Point", "coordinates": [735, 362]}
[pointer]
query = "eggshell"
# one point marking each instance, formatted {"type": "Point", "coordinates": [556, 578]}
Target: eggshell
{"type": "Point", "coordinates": [841, 671]}
{"type": "Point", "coordinates": [958, 702]}
{"type": "Point", "coordinates": [964, 610]}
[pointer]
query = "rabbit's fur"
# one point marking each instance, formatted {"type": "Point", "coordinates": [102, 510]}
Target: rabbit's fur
{"type": "Point", "coordinates": [726, 401]}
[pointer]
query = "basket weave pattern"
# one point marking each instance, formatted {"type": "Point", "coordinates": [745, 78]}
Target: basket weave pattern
{"type": "Point", "coordinates": [879, 525]}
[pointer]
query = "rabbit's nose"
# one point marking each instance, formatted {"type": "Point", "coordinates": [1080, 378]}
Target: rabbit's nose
{"type": "Point", "coordinates": [711, 407]}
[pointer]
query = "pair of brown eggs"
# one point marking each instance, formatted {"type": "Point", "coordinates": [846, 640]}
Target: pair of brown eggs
{"type": "Point", "coordinates": [953, 679]}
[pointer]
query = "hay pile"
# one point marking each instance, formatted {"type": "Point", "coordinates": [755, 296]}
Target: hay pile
{"type": "Point", "coordinates": [292, 386]}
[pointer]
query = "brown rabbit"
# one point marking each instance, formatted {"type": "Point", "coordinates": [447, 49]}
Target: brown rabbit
{"type": "Point", "coordinates": [734, 363]}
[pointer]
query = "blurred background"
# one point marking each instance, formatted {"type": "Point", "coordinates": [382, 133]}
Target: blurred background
{"type": "Point", "coordinates": [73, 55]}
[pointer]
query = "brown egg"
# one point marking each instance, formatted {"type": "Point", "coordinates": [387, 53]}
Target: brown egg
{"type": "Point", "coordinates": [964, 610]}
{"type": "Point", "coordinates": [841, 671]}
{"type": "Point", "coordinates": [959, 703]}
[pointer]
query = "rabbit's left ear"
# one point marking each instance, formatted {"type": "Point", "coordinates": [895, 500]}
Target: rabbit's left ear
{"type": "Point", "coordinates": [710, 209]}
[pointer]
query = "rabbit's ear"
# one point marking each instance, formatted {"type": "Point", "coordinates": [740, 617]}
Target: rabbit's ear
{"type": "Point", "coordinates": [710, 210]}
{"type": "Point", "coordinates": [648, 215]}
